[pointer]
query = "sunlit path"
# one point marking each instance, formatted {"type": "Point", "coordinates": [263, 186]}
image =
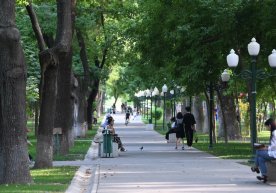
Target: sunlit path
{"type": "Point", "coordinates": [161, 168]}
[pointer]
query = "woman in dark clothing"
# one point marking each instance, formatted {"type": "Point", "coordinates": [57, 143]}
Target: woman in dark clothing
{"type": "Point", "coordinates": [180, 134]}
{"type": "Point", "coordinates": [189, 122]}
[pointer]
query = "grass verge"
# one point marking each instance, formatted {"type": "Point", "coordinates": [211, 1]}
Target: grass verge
{"type": "Point", "coordinates": [44, 180]}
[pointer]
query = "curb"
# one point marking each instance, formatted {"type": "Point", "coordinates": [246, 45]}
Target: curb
{"type": "Point", "coordinates": [86, 179]}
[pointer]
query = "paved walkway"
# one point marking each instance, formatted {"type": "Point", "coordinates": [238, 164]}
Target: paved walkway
{"type": "Point", "coordinates": [159, 168]}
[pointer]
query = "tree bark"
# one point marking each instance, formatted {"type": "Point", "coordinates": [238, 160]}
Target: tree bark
{"type": "Point", "coordinates": [231, 122]}
{"type": "Point", "coordinates": [64, 106]}
{"type": "Point", "coordinates": [223, 118]}
{"type": "Point", "coordinates": [13, 138]}
{"type": "Point", "coordinates": [49, 60]}
{"type": "Point", "coordinates": [90, 101]}
{"type": "Point", "coordinates": [198, 113]}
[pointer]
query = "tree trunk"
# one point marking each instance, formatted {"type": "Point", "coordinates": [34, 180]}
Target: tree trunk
{"type": "Point", "coordinates": [13, 146]}
{"type": "Point", "coordinates": [100, 104]}
{"type": "Point", "coordinates": [198, 113]}
{"type": "Point", "coordinates": [64, 106]}
{"type": "Point", "coordinates": [80, 107]}
{"type": "Point", "coordinates": [90, 101]}
{"type": "Point", "coordinates": [49, 60]}
{"type": "Point", "coordinates": [44, 146]}
{"type": "Point", "coordinates": [36, 116]}
{"type": "Point", "coordinates": [222, 118]}
{"type": "Point", "coordinates": [231, 122]}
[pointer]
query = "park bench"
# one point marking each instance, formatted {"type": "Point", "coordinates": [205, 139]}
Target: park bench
{"type": "Point", "coordinates": [271, 170]}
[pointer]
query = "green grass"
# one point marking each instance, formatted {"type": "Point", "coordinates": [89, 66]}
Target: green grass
{"type": "Point", "coordinates": [81, 146]}
{"type": "Point", "coordinates": [232, 150]}
{"type": "Point", "coordinates": [52, 179]}
{"type": "Point", "coordinates": [44, 180]}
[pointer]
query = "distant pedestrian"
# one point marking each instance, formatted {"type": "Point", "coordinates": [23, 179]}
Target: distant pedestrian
{"type": "Point", "coordinates": [113, 108]}
{"type": "Point", "coordinates": [189, 123]}
{"type": "Point", "coordinates": [179, 128]}
{"type": "Point", "coordinates": [127, 118]}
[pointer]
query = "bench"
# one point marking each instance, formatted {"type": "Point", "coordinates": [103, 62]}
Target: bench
{"type": "Point", "coordinates": [271, 170]}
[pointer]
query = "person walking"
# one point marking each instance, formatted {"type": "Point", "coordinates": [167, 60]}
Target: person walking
{"type": "Point", "coordinates": [179, 130]}
{"type": "Point", "coordinates": [189, 124]}
{"type": "Point", "coordinates": [265, 153]}
{"type": "Point", "coordinates": [127, 118]}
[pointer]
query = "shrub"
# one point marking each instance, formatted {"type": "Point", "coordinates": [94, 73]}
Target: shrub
{"type": "Point", "coordinates": [158, 113]}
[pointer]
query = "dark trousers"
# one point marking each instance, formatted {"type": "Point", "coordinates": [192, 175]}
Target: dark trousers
{"type": "Point", "coordinates": [117, 139]}
{"type": "Point", "coordinates": [167, 134]}
{"type": "Point", "coordinates": [189, 135]}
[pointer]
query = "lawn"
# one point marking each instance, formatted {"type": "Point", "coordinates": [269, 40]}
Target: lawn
{"type": "Point", "coordinates": [77, 152]}
{"type": "Point", "coordinates": [44, 180]}
{"type": "Point", "coordinates": [237, 149]}
{"type": "Point", "coordinates": [54, 179]}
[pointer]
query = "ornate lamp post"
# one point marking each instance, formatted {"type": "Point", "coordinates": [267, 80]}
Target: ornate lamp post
{"type": "Point", "coordinates": [211, 87]}
{"type": "Point", "coordinates": [143, 99]}
{"type": "Point", "coordinates": [155, 95]}
{"type": "Point", "coordinates": [252, 74]}
{"type": "Point", "coordinates": [172, 102]}
{"type": "Point", "coordinates": [164, 91]}
{"type": "Point", "coordinates": [150, 120]}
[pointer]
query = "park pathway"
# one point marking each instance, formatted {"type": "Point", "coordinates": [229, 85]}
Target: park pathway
{"type": "Point", "coordinates": [159, 168]}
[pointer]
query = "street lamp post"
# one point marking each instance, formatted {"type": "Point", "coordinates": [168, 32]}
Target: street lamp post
{"type": "Point", "coordinates": [155, 94]}
{"type": "Point", "coordinates": [150, 120]}
{"type": "Point", "coordinates": [172, 102]}
{"type": "Point", "coordinates": [147, 96]}
{"type": "Point", "coordinates": [164, 91]}
{"type": "Point", "coordinates": [211, 115]}
{"type": "Point", "coordinates": [225, 78]}
{"type": "Point", "coordinates": [253, 74]}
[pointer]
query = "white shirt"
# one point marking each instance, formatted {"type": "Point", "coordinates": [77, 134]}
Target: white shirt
{"type": "Point", "coordinates": [272, 146]}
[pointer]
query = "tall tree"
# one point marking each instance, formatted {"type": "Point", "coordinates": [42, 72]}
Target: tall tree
{"type": "Point", "coordinates": [49, 61]}
{"type": "Point", "coordinates": [64, 106]}
{"type": "Point", "coordinates": [13, 139]}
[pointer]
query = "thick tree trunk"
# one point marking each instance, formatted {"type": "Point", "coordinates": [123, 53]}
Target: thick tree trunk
{"type": "Point", "coordinates": [64, 106]}
{"type": "Point", "coordinates": [49, 60]}
{"type": "Point", "coordinates": [222, 119]}
{"type": "Point", "coordinates": [100, 103]}
{"type": "Point", "coordinates": [198, 113]}
{"type": "Point", "coordinates": [44, 148]}
{"type": "Point", "coordinates": [36, 116]}
{"type": "Point", "coordinates": [80, 109]}
{"type": "Point", "coordinates": [231, 123]}
{"type": "Point", "coordinates": [90, 101]}
{"type": "Point", "coordinates": [13, 139]}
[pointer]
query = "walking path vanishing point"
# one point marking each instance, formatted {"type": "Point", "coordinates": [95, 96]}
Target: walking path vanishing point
{"type": "Point", "coordinates": [159, 168]}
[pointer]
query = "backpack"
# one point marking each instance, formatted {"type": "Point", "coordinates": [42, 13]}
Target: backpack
{"type": "Point", "coordinates": [179, 125]}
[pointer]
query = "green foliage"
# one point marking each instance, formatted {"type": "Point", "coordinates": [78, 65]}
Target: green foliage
{"type": "Point", "coordinates": [158, 114]}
